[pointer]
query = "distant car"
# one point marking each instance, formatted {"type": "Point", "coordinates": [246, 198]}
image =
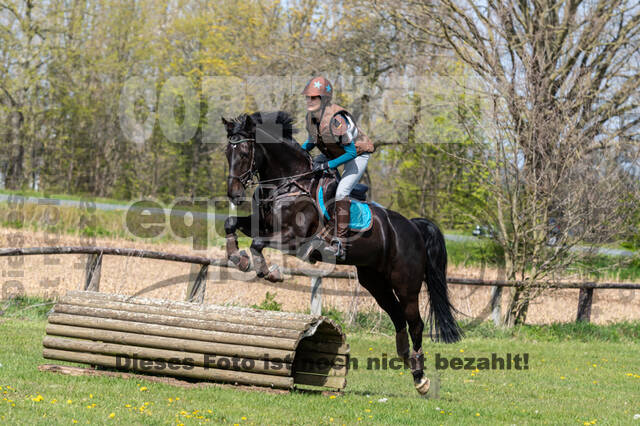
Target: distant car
{"type": "Point", "coordinates": [482, 231]}
{"type": "Point", "coordinates": [554, 232]}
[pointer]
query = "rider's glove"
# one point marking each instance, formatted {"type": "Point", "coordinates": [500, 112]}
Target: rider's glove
{"type": "Point", "coordinates": [320, 167]}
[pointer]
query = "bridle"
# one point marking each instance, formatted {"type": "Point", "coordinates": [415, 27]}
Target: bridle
{"type": "Point", "coordinates": [245, 177]}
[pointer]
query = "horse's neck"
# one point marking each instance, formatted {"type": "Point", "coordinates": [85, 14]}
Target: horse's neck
{"type": "Point", "coordinates": [281, 161]}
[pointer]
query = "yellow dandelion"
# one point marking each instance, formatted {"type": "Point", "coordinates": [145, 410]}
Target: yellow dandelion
{"type": "Point", "coordinates": [127, 405]}
{"type": "Point", "coordinates": [90, 395]}
{"type": "Point", "coordinates": [112, 415]}
{"type": "Point", "coordinates": [461, 350]}
{"type": "Point", "coordinates": [142, 389]}
{"type": "Point", "coordinates": [370, 349]}
{"type": "Point", "coordinates": [243, 418]}
{"type": "Point", "coordinates": [37, 398]}
{"type": "Point", "coordinates": [69, 401]}
{"type": "Point", "coordinates": [562, 377]}
{"type": "Point", "coordinates": [594, 365]}
{"type": "Point", "coordinates": [477, 414]}
{"type": "Point", "coordinates": [331, 419]}
{"type": "Point", "coordinates": [53, 401]}
{"type": "Point", "coordinates": [359, 418]}
{"type": "Point", "coordinates": [441, 411]}
{"type": "Point", "coordinates": [332, 397]}
{"type": "Point", "coordinates": [367, 410]}
{"type": "Point", "coordinates": [74, 421]}
{"type": "Point", "coordinates": [401, 373]}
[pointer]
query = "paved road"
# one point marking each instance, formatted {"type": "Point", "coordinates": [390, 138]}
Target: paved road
{"type": "Point", "coordinates": [218, 216]}
{"type": "Point", "coordinates": [108, 206]}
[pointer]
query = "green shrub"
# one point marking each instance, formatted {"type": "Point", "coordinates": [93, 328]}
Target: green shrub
{"type": "Point", "coordinates": [269, 303]}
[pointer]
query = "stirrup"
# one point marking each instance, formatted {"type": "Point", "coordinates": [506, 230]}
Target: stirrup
{"type": "Point", "coordinates": [316, 244]}
{"type": "Point", "coordinates": [338, 249]}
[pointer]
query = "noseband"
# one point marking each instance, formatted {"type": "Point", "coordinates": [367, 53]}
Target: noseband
{"type": "Point", "coordinates": [245, 177]}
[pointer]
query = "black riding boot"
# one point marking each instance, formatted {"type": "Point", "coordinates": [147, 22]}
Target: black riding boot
{"type": "Point", "coordinates": [342, 215]}
{"type": "Point", "coordinates": [332, 241]}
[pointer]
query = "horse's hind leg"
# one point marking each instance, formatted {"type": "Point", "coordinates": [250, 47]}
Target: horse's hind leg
{"type": "Point", "coordinates": [411, 311]}
{"type": "Point", "coordinates": [383, 293]}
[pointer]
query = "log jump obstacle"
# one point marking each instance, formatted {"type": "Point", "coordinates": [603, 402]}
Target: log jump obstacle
{"type": "Point", "coordinates": [197, 341]}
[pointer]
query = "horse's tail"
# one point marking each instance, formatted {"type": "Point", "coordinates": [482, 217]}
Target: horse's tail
{"type": "Point", "coordinates": [440, 308]}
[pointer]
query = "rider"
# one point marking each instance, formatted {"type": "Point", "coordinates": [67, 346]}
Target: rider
{"type": "Point", "coordinates": [333, 130]}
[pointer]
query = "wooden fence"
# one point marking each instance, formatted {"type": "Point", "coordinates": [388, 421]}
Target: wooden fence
{"type": "Point", "coordinates": [197, 287]}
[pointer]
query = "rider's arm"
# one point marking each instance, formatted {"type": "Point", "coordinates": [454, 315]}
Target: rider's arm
{"type": "Point", "coordinates": [308, 146]}
{"type": "Point", "coordinates": [350, 148]}
{"type": "Point", "coordinates": [349, 154]}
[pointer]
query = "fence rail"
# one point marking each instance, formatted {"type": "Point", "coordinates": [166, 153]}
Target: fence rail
{"type": "Point", "coordinates": [196, 289]}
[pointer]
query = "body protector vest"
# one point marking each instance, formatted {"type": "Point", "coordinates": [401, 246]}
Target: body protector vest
{"type": "Point", "coordinates": [321, 134]}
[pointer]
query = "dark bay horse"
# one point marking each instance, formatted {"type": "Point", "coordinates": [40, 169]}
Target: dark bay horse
{"type": "Point", "coordinates": [393, 257]}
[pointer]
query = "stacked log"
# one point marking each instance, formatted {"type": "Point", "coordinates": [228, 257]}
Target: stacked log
{"type": "Point", "coordinates": [198, 342]}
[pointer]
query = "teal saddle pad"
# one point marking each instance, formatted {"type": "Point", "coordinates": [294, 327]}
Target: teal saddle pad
{"type": "Point", "coordinates": [360, 213]}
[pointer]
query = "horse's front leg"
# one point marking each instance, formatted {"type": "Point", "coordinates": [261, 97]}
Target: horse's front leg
{"type": "Point", "coordinates": [272, 273]}
{"type": "Point", "coordinates": [239, 258]}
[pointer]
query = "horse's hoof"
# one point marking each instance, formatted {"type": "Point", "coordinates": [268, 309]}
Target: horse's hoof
{"type": "Point", "coordinates": [422, 386]}
{"type": "Point", "coordinates": [241, 260]}
{"type": "Point", "coordinates": [275, 276]}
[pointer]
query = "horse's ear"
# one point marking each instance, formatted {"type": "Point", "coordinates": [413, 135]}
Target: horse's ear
{"type": "Point", "coordinates": [249, 124]}
{"type": "Point", "coordinates": [227, 124]}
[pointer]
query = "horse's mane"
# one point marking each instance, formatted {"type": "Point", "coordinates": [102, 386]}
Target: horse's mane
{"type": "Point", "coordinates": [278, 124]}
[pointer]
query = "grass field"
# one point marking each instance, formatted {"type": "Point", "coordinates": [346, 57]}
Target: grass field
{"type": "Point", "coordinates": [578, 374]}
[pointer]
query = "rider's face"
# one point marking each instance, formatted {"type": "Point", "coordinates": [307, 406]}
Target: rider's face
{"type": "Point", "coordinates": [313, 103]}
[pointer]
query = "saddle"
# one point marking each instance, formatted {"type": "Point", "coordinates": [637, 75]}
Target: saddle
{"type": "Point", "coordinates": [360, 211]}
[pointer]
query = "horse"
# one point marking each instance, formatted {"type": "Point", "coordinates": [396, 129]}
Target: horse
{"type": "Point", "coordinates": [392, 258]}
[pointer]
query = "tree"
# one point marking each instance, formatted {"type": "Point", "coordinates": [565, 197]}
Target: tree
{"type": "Point", "coordinates": [559, 85]}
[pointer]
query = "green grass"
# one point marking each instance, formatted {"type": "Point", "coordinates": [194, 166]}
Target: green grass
{"type": "Point", "coordinates": [484, 252]}
{"type": "Point", "coordinates": [568, 365]}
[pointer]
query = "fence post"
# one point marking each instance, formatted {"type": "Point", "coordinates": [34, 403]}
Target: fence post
{"type": "Point", "coordinates": [195, 291]}
{"type": "Point", "coordinates": [92, 272]}
{"type": "Point", "coordinates": [584, 304]}
{"type": "Point", "coordinates": [316, 296]}
{"type": "Point", "coordinates": [496, 300]}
